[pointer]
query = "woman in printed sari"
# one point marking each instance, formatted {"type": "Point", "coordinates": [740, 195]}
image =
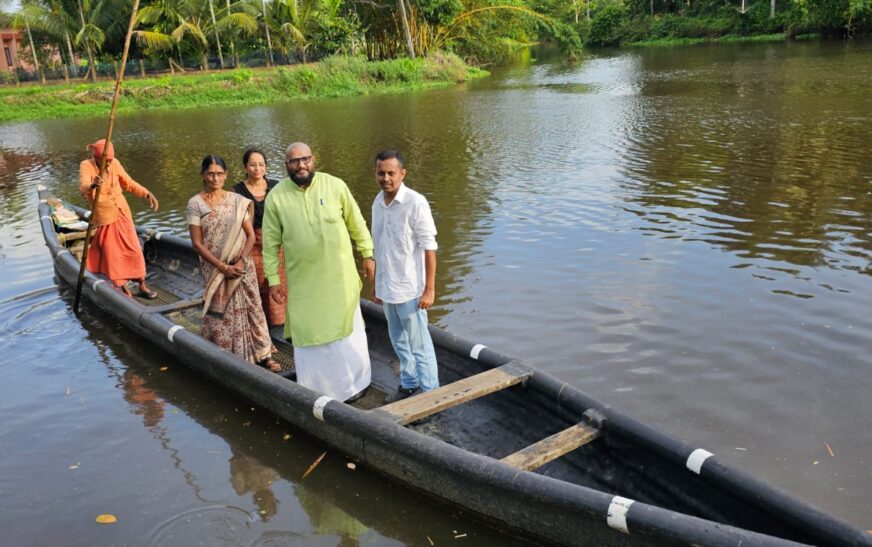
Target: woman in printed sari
{"type": "Point", "coordinates": [222, 234]}
{"type": "Point", "coordinates": [255, 187]}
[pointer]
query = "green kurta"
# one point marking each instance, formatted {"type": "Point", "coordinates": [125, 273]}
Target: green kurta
{"type": "Point", "coordinates": [314, 226]}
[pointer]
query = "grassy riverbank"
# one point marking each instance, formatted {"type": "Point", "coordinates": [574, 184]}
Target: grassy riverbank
{"type": "Point", "coordinates": [332, 77]}
{"type": "Point", "coordinates": [728, 39]}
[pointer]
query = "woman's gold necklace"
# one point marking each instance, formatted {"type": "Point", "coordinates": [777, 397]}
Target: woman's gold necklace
{"type": "Point", "coordinates": [213, 198]}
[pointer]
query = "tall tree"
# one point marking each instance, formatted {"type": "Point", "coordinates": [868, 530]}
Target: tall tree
{"type": "Point", "coordinates": [215, 30]}
{"type": "Point", "coordinates": [405, 19]}
{"type": "Point", "coordinates": [174, 23]}
{"type": "Point", "coordinates": [295, 22]}
{"type": "Point", "coordinates": [236, 20]}
{"type": "Point", "coordinates": [91, 35]}
{"type": "Point", "coordinates": [29, 14]}
{"type": "Point", "coordinates": [270, 60]}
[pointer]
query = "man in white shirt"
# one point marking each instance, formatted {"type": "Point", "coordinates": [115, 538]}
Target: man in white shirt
{"type": "Point", "coordinates": [404, 235]}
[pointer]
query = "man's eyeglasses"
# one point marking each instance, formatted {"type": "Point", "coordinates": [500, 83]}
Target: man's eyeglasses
{"type": "Point", "coordinates": [299, 161]}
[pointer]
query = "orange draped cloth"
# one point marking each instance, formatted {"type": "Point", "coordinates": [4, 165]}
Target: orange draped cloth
{"type": "Point", "coordinates": [114, 251]}
{"type": "Point", "coordinates": [115, 182]}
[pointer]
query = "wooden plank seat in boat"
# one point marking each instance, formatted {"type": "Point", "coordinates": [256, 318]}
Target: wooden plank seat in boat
{"type": "Point", "coordinates": [425, 404]}
{"type": "Point", "coordinates": [179, 306]}
{"type": "Point", "coordinates": [66, 237]}
{"type": "Point", "coordinates": [548, 449]}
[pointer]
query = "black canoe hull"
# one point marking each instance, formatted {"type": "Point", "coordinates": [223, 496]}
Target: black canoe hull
{"type": "Point", "coordinates": [703, 501]}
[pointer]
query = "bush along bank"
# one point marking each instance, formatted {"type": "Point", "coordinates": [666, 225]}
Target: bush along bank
{"type": "Point", "coordinates": [617, 24]}
{"type": "Point", "coordinates": [332, 77]}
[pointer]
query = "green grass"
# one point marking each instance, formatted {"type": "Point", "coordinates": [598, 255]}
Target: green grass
{"type": "Point", "coordinates": [729, 38]}
{"type": "Point", "coordinates": [339, 76]}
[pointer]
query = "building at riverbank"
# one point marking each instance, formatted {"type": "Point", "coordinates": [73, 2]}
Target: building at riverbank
{"type": "Point", "coordinates": [11, 40]}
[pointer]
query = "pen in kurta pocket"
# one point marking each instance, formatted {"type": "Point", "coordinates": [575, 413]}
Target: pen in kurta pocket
{"type": "Point", "coordinates": [321, 200]}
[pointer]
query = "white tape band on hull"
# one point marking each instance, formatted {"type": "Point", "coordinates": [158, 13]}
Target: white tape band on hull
{"type": "Point", "coordinates": [617, 516]}
{"type": "Point", "coordinates": [697, 458]}
{"type": "Point", "coordinates": [96, 282]}
{"type": "Point", "coordinates": [172, 332]}
{"type": "Point", "coordinates": [476, 350]}
{"type": "Point", "coordinates": [318, 407]}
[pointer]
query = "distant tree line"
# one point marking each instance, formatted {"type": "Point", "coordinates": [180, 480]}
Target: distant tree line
{"type": "Point", "coordinates": [185, 32]}
{"type": "Point", "coordinates": [614, 22]}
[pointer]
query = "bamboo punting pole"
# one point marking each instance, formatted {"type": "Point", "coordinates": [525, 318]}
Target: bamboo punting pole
{"type": "Point", "coordinates": [115, 97]}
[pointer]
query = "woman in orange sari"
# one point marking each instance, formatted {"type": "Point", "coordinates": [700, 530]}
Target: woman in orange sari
{"type": "Point", "coordinates": [255, 187]}
{"type": "Point", "coordinates": [114, 251]}
{"type": "Point", "coordinates": [221, 232]}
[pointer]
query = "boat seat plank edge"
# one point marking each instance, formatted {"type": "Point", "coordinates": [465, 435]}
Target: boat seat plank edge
{"type": "Point", "coordinates": [548, 449]}
{"type": "Point", "coordinates": [456, 393]}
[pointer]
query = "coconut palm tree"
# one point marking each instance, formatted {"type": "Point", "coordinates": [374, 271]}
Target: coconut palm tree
{"type": "Point", "coordinates": [29, 15]}
{"type": "Point", "coordinates": [91, 35]}
{"type": "Point", "coordinates": [236, 20]}
{"type": "Point", "coordinates": [172, 23]}
{"type": "Point", "coordinates": [215, 30]}
{"type": "Point", "coordinates": [294, 21]}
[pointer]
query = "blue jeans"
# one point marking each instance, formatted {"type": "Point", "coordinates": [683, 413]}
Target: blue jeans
{"type": "Point", "coordinates": [407, 325]}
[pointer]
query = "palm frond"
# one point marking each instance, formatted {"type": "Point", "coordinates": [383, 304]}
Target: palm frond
{"type": "Point", "coordinates": [157, 41]}
{"type": "Point", "coordinates": [238, 21]}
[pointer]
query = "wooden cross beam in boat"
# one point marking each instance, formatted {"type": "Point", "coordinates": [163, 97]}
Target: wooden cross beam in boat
{"type": "Point", "coordinates": [551, 448]}
{"type": "Point", "coordinates": [428, 403]}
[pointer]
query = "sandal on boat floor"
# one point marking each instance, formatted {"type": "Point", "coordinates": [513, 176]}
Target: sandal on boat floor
{"type": "Point", "coordinates": [148, 295]}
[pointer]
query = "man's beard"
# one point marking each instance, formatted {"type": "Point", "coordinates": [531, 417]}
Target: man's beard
{"type": "Point", "coordinates": [300, 181]}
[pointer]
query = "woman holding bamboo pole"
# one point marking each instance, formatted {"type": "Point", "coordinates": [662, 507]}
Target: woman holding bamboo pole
{"type": "Point", "coordinates": [114, 251]}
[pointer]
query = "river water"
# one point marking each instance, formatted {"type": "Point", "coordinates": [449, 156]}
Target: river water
{"type": "Point", "coordinates": [682, 233]}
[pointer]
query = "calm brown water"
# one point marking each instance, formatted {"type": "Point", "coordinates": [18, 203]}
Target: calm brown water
{"type": "Point", "coordinates": [683, 233]}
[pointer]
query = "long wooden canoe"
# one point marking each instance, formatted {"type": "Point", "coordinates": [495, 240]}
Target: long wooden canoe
{"type": "Point", "coordinates": [517, 447]}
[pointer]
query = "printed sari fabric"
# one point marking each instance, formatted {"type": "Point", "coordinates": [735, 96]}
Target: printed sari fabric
{"type": "Point", "coordinates": [233, 317]}
{"type": "Point", "coordinates": [275, 313]}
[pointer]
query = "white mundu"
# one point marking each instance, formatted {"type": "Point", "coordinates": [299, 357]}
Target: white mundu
{"type": "Point", "coordinates": [344, 362]}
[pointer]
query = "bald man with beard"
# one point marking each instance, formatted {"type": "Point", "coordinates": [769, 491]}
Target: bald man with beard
{"type": "Point", "coordinates": [314, 217]}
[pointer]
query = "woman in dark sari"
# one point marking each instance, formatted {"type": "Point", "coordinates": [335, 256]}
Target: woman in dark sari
{"type": "Point", "coordinates": [222, 234]}
{"type": "Point", "coordinates": [255, 187]}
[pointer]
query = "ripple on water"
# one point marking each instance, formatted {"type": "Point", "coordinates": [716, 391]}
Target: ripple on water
{"type": "Point", "coordinates": [210, 525]}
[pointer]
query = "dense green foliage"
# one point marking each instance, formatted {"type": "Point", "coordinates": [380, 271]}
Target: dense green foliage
{"type": "Point", "coordinates": [332, 77]}
{"type": "Point", "coordinates": [227, 33]}
{"type": "Point", "coordinates": [616, 22]}
{"type": "Point", "coordinates": [232, 33]}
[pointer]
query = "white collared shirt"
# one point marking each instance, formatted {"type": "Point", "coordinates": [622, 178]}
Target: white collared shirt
{"type": "Point", "coordinates": [401, 231]}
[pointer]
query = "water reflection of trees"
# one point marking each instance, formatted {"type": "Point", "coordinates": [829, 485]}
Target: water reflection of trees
{"type": "Point", "coordinates": [764, 175]}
